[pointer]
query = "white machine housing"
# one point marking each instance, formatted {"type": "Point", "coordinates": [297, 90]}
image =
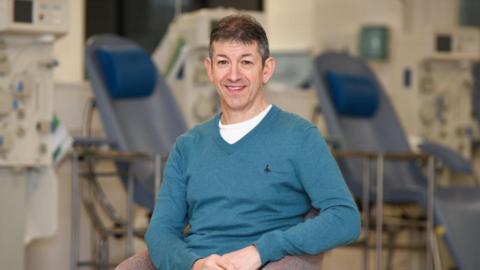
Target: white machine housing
{"type": "Point", "coordinates": [33, 16]}
{"type": "Point", "coordinates": [436, 104]}
{"type": "Point", "coordinates": [28, 29]}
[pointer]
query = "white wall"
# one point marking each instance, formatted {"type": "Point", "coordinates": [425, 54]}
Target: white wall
{"type": "Point", "coordinates": [290, 24]}
{"type": "Point", "coordinates": [338, 22]}
{"type": "Point", "coordinates": [310, 24]}
{"type": "Point", "coordinates": [435, 13]}
{"type": "Point", "coordinates": [69, 50]}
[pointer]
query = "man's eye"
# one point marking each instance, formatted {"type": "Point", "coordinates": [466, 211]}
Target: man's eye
{"type": "Point", "coordinates": [222, 62]}
{"type": "Point", "coordinates": [246, 62]}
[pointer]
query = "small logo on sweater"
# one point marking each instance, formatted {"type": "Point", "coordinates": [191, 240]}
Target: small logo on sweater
{"type": "Point", "coordinates": [186, 230]}
{"type": "Point", "coordinates": [267, 169]}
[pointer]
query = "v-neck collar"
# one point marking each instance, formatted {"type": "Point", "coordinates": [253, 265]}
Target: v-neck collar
{"type": "Point", "coordinates": [230, 148]}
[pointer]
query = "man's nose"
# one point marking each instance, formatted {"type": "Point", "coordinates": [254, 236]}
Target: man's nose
{"type": "Point", "coordinates": [234, 73]}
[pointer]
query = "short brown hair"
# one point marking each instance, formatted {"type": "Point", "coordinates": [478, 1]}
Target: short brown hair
{"type": "Point", "coordinates": [242, 28]}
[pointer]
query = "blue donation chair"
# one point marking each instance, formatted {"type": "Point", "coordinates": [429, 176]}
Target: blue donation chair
{"type": "Point", "coordinates": [360, 117]}
{"type": "Point", "coordinates": [137, 109]}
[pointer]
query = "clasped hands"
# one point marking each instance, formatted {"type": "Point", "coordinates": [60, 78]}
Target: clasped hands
{"type": "Point", "coordinates": [246, 258]}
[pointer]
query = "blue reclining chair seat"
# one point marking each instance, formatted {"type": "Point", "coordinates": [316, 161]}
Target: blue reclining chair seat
{"type": "Point", "coordinates": [355, 96]}
{"type": "Point", "coordinates": [129, 72]}
{"type": "Point", "coordinates": [377, 129]}
{"type": "Point", "coordinates": [137, 110]}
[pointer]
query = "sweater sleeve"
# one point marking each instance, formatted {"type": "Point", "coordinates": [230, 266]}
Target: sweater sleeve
{"type": "Point", "coordinates": [338, 221]}
{"type": "Point", "coordinates": [166, 245]}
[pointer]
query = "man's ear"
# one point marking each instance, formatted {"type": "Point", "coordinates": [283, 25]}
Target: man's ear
{"type": "Point", "coordinates": [208, 67]}
{"type": "Point", "coordinates": [268, 69]}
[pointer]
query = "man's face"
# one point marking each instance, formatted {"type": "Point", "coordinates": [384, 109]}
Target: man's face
{"type": "Point", "coordinates": [237, 72]}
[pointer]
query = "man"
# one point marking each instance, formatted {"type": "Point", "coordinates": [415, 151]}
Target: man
{"type": "Point", "coordinates": [236, 188]}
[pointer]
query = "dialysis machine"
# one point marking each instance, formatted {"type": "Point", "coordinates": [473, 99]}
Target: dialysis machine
{"type": "Point", "coordinates": [434, 86]}
{"type": "Point", "coordinates": [434, 69]}
{"type": "Point", "coordinates": [28, 29]}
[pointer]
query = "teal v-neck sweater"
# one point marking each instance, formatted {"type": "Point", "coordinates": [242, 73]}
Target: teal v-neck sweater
{"type": "Point", "coordinates": [218, 197]}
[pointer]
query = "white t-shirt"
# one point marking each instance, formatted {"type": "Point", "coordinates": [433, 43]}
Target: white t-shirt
{"type": "Point", "coordinates": [234, 132]}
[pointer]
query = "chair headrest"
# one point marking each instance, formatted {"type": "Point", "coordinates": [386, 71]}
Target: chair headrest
{"type": "Point", "coordinates": [352, 95]}
{"type": "Point", "coordinates": [128, 71]}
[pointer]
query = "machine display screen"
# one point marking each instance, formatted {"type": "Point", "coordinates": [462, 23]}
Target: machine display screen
{"type": "Point", "coordinates": [23, 11]}
{"type": "Point", "coordinates": [444, 43]}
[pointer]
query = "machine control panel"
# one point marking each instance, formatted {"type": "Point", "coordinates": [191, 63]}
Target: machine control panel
{"type": "Point", "coordinates": [26, 91]}
{"type": "Point", "coordinates": [28, 29]}
{"type": "Point", "coordinates": [33, 16]}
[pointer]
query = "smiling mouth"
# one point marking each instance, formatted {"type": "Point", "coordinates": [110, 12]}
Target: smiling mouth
{"type": "Point", "coordinates": [235, 88]}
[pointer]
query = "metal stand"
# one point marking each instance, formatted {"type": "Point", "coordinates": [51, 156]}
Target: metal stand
{"type": "Point", "coordinates": [121, 227]}
{"type": "Point", "coordinates": [379, 214]}
{"type": "Point", "coordinates": [432, 254]}
{"type": "Point", "coordinates": [74, 215]}
{"type": "Point", "coordinates": [366, 210]}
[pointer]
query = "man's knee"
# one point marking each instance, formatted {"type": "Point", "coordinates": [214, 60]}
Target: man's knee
{"type": "Point", "coordinates": [139, 261]}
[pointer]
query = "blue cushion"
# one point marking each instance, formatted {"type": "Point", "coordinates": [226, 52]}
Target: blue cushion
{"type": "Point", "coordinates": [129, 72]}
{"type": "Point", "coordinates": [352, 95]}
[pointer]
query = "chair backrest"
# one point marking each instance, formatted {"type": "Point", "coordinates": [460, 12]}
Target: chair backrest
{"type": "Point", "coordinates": [359, 117]}
{"type": "Point", "coordinates": [138, 111]}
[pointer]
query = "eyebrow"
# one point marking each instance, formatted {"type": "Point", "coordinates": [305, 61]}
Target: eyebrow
{"type": "Point", "coordinates": [225, 56]}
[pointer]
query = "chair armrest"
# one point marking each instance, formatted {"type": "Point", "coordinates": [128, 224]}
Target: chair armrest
{"type": "Point", "coordinates": [447, 156]}
{"type": "Point", "coordinates": [299, 262]}
{"type": "Point", "coordinates": [90, 141]}
{"type": "Point", "coordinates": [139, 261]}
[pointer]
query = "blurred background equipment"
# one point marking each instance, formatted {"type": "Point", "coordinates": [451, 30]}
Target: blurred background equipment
{"type": "Point", "coordinates": [28, 186]}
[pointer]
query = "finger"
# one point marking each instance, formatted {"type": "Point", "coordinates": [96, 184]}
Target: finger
{"type": "Point", "coordinates": [212, 263]}
{"type": "Point", "coordinates": [226, 264]}
{"type": "Point", "coordinates": [211, 267]}
{"type": "Point", "coordinates": [231, 267]}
